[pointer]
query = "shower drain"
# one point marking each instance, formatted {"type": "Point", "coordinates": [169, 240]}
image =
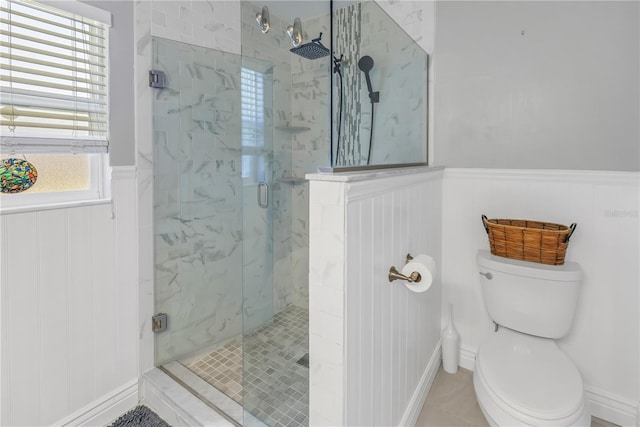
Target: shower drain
{"type": "Point", "coordinates": [304, 360]}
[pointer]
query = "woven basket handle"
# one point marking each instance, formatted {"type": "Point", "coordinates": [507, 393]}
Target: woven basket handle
{"type": "Point", "coordinates": [572, 228]}
{"type": "Point", "coordinates": [484, 223]}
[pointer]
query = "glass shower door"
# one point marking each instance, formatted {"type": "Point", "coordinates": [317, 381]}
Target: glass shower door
{"type": "Point", "coordinates": [198, 189]}
{"type": "Point", "coordinates": [213, 211]}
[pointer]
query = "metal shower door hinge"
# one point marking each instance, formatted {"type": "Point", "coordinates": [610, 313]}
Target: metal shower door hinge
{"type": "Point", "coordinates": [156, 79]}
{"type": "Point", "coordinates": [159, 322]}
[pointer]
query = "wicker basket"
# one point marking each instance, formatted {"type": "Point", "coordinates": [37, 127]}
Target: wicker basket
{"type": "Point", "coordinates": [534, 241]}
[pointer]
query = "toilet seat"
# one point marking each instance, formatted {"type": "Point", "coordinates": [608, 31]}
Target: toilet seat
{"type": "Point", "coordinates": [528, 380]}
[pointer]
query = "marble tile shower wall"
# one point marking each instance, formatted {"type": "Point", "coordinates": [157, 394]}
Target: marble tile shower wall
{"type": "Point", "coordinates": [214, 25]}
{"type": "Point", "coordinates": [347, 36]}
{"type": "Point", "coordinates": [400, 124]}
{"type": "Point", "coordinates": [269, 51]}
{"type": "Point", "coordinates": [198, 194]}
{"type": "Point", "coordinates": [399, 74]}
{"type": "Point", "coordinates": [217, 25]}
{"type": "Point", "coordinates": [310, 100]}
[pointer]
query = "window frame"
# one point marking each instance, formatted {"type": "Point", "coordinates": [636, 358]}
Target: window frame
{"type": "Point", "coordinates": [99, 190]}
{"type": "Point", "coordinates": [255, 153]}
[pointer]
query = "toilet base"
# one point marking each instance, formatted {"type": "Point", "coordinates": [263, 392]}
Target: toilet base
{"type": "Point", "coordinates": [499, 416]}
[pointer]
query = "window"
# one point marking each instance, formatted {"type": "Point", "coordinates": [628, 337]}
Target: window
{"type": "Point", "coordinates": [54, 96]}
{"type": "Point", "coordinates": [253, 126]}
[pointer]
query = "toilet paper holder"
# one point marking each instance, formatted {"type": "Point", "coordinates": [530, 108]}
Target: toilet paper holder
{"type": "Point", "coordinates": [394, 274]}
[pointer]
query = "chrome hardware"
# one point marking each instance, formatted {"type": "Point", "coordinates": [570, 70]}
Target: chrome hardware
{"type": "Point", "coordinates": [157, 79]}
{"type": "Point", "coordinates": [394, 274]}
{"type": "Point", "coordinates": [487, 275]}
{"type": "Point", "coordinates": [263, 195]}
{"type": "Point", "coordinates": [409, 258]}
{"type": "Point", "coordinates": [159, 322]}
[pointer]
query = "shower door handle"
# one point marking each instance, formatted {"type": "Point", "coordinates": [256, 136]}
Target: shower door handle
{"type": "Point", "coordinates": [263, 195]}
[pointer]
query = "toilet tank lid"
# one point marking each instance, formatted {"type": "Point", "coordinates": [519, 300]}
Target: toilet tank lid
{"type": "Point", "coordinates": [568, 272]}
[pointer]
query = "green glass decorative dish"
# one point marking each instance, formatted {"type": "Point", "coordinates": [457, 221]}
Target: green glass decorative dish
{"type": "Point", "coordinates": [16, 175]}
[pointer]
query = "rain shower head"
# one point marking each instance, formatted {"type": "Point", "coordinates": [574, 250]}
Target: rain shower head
{"type": "Point", "coordinates": [312, 50]}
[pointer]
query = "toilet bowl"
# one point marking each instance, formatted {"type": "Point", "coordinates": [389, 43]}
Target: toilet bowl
{"type": "Point", "coordinates": [521, 376]}
{"type": "Point", "coordinates": [525, 380]}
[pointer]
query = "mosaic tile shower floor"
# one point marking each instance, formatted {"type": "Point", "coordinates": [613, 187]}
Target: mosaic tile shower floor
{"type": "Point", "coordinates": [276, 385]}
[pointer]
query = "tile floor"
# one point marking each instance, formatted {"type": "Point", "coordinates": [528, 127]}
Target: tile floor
{"type": "Point", "coordinates": [452, 402]}
{"type": "Point", "coordinates": [276, 386]}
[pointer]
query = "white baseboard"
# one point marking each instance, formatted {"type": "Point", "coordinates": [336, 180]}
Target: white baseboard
{"type": "Point", "coordinates": [612, 408]}
{"type": "Point", "coordinates": [420, 395]}
{"type": "Point", "coordinates": [105, 409]}
{"type": "Point", "coordinates": [603, 404]}
{"type": "Point", "coordinates": [467, 358]}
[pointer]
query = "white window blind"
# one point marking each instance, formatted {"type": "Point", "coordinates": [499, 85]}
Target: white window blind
{"type": "Point", "coordinates": [252, 101]}
{"type": "Point", "coordinates": [253, 132]}
{"type": "Point", "coordinates": [53, 80]}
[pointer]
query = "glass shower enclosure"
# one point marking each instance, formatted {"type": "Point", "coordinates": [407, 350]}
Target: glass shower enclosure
{"type": "Point", "coordinates": [233, 137]}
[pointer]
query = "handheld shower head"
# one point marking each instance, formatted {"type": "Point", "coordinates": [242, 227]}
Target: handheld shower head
{"type": "Point", "coordinates": [366, 64]}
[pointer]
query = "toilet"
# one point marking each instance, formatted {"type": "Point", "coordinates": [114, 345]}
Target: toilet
{"type": "Point", "coordinates": [521, 376]}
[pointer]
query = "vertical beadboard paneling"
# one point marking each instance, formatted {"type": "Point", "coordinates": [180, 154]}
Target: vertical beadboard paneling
{"type": "Point", "coordinates": [53, 313]}
{"type": "Point", "coordinates": [81, 380]}
{"type": "Point", "coordinates": [390, 333]}
{"type": "Point", "coordinates": [23, 320]}
{"type": "Point", "coordinates": [378, 307]}
{"type": "Point", "coordinates": [4, 370]}
{"type": "Point", "coordinates": [353, 327]}
{"type": "Point", "coordinates": [364, 295]}
{"type": "Point", "coordinates": [104, 302]}
{"type": "Point", "coordinates": [387, 393]}
{"type": "Point", "coordinates": [68, 306]}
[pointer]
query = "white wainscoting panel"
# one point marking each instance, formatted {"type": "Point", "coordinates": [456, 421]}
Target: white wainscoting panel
{"type": "Point", "coordinates": [372, 343]}
{"type": "Point", "coordinates": [604, 343]}
{"type": "Point", "coordinates": [69, 308]}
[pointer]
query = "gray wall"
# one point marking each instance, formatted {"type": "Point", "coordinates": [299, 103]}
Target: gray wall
{"type": "Point", "coordinates": [542, 85]}
{"type": "Point", "coordinates": [121, 111]}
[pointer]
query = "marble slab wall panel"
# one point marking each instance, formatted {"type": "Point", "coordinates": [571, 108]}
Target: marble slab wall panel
{"type": "Point", "coordinates": [144, 164]}
{"type": "Point", "coordinates": [198, 198]}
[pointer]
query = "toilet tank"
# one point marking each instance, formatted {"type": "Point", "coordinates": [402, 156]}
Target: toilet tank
{"type": "Point", "coordinates": [528, 297]}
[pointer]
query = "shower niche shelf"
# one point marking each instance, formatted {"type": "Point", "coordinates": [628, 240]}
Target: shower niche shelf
{"type": "Point", "coordinates": [293, 129]}
{"type": "Point", "coordinates": [292, 180]}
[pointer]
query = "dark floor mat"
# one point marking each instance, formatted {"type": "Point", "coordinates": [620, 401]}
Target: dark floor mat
{"type": "Point", "coordinates": [140, 416]}
{"type": "Point", "coordinates": [304, 361]}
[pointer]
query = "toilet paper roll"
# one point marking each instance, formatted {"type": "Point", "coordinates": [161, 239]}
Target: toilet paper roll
{"type": "Point", "coordinates": [429, 262]}
{"type": "Point", "coordinates": [426, 277]}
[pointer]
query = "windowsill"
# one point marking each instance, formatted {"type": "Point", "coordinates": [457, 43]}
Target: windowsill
{"type": "Point", "coordinates": [50, 206]}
